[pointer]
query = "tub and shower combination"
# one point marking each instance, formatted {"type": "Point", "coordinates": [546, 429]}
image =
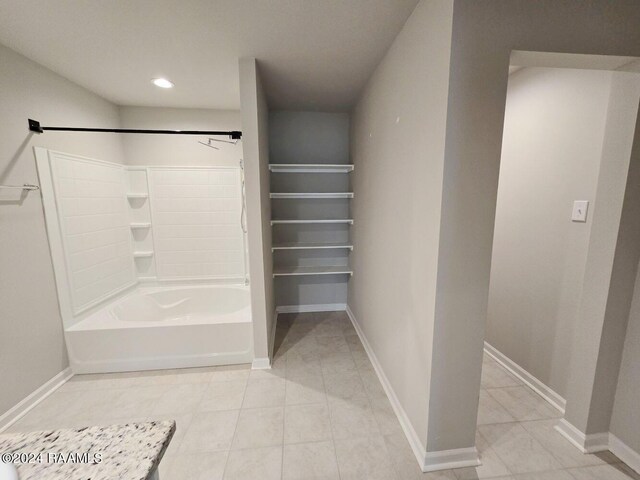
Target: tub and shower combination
{"type": "Point", "coordinates": [165, 327]}
{"type": "Point", "coordinates": [150, 263]}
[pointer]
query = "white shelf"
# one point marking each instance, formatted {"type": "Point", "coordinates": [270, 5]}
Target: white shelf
{"type": "Point", "coordinates": [330, 221]}
{"type": "Point", "coordinates": [312, 195]}
{"type": "Point", "coordinates": [309, 168]}
{"type": "Point", "coordinates": [142, 254]}
{"type": "Point", "coordinates": [140, 225]}
{"type": "Point", "coordinates": [137, 195]}
{"type": "Point", "coordinates": [312, 246]}
{"type": "Point", "coordinates": [300, 271]}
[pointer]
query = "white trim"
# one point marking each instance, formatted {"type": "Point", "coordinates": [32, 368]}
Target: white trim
{"type": "Point", "coordinates": [24, 406]}
{"type": "Point", "coordinates": [310, 168]}
{"type": "Point", "coordinates": [261, 363]}
{"type": "Point", "coordinates": [525, 377]}
{"type": "Point", "coordinates": [624, 452]}
{"type": "Point", "coordinates": [419, 450]}
{"type": "Point", "coordinates": [447, 459]}
{"type": "Point", "coordinates": [592, 443]}
{"type": "Point", "coordinates": [264, 363]}
{"type": "Point", "coordinates": [289, 195]}
{"type": "Point", "coordinates": [322, 307]}
{"type": "Point", "coordinates": [596, 442]}
{"type": "Point", "coordinates": [571, 433]}
{"type": "Point", "coordinates": [599, 442]}
{"type": "Point", "coordinates": [428, 461]}
{"type": "Point", "coordinates": [348, 221]}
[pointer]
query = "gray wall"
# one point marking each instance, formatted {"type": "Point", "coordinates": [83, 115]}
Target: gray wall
{"type": "Point", "coordinates": [177, 149]}
{"type": "Point", "coordinates": [255, 126]}
{"type": "Point", "coordinates": [616, 241]}
{"type": "Point", "coordinates": [484, 33]}
{"type": "Point", "coordinates": [310, 137]}
{"type": "Point", "coordinates": [551, 149]}
{"type": "Point", "coordinates": [625, 421]}
{"type": "Point", "coordinates": [32, 349]}
{"type": "Point", "coordinates": [397, 146]}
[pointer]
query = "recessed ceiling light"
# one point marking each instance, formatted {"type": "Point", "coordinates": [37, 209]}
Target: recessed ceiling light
{"type": "Point", "coordinates": [162, 83]}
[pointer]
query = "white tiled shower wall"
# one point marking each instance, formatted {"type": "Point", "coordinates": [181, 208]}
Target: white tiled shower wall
{"type": "Point", "coordinates": [195, 227]}
{"type": "Point", "coordinates": [93, 215]}
{"type": "Point", "coordinates": [196, 222]}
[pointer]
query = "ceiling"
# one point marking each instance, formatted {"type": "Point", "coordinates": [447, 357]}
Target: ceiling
{"type": "Point", "coordinates": [313, 54]}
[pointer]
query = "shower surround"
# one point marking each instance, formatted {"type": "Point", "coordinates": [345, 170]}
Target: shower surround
{"type": "Point", "coordinates": [150, 263]}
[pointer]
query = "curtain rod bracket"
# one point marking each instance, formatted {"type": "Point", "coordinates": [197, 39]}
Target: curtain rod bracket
{"type": "Point", "coordinates": [34, 126]}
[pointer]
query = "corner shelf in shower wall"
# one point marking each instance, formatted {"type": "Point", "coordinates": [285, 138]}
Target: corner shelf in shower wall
{"type": "Point", "coordinates": [139, 225]}
{"type": "Point", "coordinates": [303, 271]}
{"type": "Point", "coordinates": [141, 254]}
{"type": "Point", "coordinates": [134, 196]}
{"type": "Point", "coordinates": [309, 168]}
{"type": "Point", "coordinates": [311, 195]}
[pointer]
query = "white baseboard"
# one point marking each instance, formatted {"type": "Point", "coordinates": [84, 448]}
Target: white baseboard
{"type": "Point", "coordinates": [596, 442]}
{"type": "Point", "coordinates": [416, 445]}
{"type": "Point", "coordinates": [592, 443]}
{"type": "Point", "coordinates": [321, 307]}
{"type": "Point", "coordinates": [525, 377]}
{"type": "Point", "coordinates": [447, 459]}
{"type": "Point", "coordinates": [599, 442]}
{"type": "Point", "coordinates": [261, 363]}
{"type": "Point", "coordinates": [624, 452]}
{"type": "Point", "coordinates": [22, 408]}
{"type": "Point", "coordinates": [428, 461]}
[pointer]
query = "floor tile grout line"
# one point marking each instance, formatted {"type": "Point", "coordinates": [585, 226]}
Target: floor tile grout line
{"type": "Point", "coordinates": [520, 422]}
{"type": "Point", "coordinates": [235, 430]}
{"type": "Point", "coordinates": [520, 385]}
{"type": "Point", "coordinates": [333, 439]}
{"type": "Point", "coordinates": [490, 446]}
{"type": "Point", "coordinates": [506, 408]}
{"type": "Point", "coordinates": [392, 464]}
{"type": "Point", "coordinates": [326, 378]}
{"type": "Point", "coordinates": [284, 417]}
{"type": "Point", "coordinates": [326, 402]}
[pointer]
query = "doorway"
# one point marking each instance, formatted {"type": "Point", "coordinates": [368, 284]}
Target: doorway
{"type": "Point", "coordinates": [567, 141]}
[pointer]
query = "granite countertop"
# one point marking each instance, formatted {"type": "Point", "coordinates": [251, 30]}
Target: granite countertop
{"type": "Point", "coordinates": [127, 452]}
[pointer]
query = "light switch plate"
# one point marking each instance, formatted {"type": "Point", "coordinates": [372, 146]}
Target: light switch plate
{"type": "Point", "coordinates": [579, 213]}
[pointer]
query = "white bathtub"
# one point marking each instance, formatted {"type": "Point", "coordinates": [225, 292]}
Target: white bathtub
{"type": "Point", "coordinates": [165, 327]}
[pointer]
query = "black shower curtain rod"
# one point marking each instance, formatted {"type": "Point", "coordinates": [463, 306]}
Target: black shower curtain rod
{"type": "Point", "coordinates": [35, 126]}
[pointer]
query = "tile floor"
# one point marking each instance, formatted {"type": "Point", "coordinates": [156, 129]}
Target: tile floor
{"type": "Point", "coordinates": [319, 414]}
